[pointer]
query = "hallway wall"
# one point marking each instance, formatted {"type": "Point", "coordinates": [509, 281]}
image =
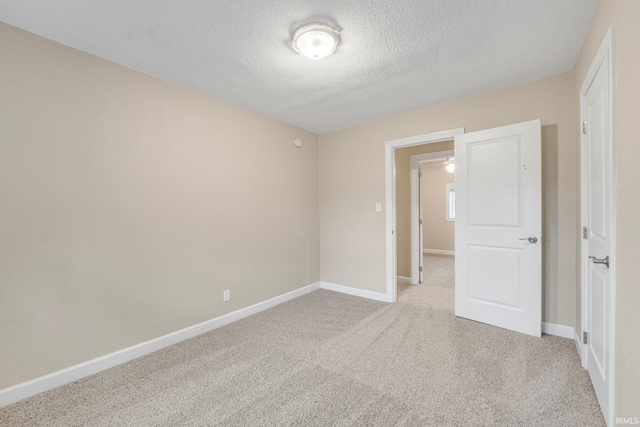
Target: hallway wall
{"type": "Point", "coordinates": [438, 233]}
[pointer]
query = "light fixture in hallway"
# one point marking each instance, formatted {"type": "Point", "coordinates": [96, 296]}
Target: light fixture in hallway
{"type": "Point", "coordinates": [450, 166]}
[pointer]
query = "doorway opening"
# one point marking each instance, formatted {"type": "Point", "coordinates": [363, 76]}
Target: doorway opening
{"type": "Point", "coordinates": [392, 193]}
{"type": "Point", "coordinates": [432, 208]}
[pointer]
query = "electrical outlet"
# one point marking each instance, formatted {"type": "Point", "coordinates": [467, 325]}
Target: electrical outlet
{"type": "Point", "coordinates": [226, 295]}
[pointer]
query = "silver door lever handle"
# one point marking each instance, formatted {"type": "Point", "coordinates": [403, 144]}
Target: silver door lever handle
{"type": "Point", "coordinates": [604, 260]}
{"type": "Point", "coordinates": [531, 239]}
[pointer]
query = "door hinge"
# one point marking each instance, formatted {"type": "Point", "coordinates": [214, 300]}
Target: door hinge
{"type": "Point", "coordinates": [585, 338]}
{"type": "Point", "coordinates": [420, 269]}
{"type": "Point", "coordinates": [585, 233]}
{"type": "Point", "coordinates": [420, 222]}
{"type": "Point", "coordinates": [584, 127]}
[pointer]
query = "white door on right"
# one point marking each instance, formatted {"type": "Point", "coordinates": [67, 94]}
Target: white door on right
{"type": "Point", "coordinates": [597, 217]}
{"type": "Point", "coordinates": [498, 227]}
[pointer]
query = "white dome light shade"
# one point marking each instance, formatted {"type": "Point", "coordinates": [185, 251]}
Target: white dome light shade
{"type": "Point", "coordinates": [450, 166]}
{"type": "Point", "coordinates": [315, 41]}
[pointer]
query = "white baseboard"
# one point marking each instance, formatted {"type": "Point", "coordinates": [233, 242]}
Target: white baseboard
{"type": "Point", "coordinates": [378, 296]}
{"type": "Point", "coordinates": [558, 330]}
{"type": "Point", "coordinates": [403, 279]}
{"type": "Point", "coordinates": [438, 252]}
{"type": "Point", "coordinates": [55, 379]}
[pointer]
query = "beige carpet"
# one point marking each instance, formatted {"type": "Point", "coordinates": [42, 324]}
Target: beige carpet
{"type": "Point", "coordinates": [328, 359]}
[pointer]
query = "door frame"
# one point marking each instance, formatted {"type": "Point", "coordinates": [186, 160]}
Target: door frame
{"type": "Point", "coordinates": [606, 50]}
{"type": "Point", "coordinates": [416, 251]}
{"type": "Point", "coordinates": [390, 197]}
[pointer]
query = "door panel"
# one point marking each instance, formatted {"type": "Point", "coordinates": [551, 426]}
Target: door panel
{"type": "Point", "coordinates": [597, 217]}
{"type": "Point", "coordinates": [498, 206]}
{"type": "Point", "coordinates": [492, 272]}
{"type": "Point", "coordinates": [494, 192]}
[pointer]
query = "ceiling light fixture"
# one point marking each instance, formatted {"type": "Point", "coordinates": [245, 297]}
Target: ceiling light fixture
{"type": "Point", "coordinates": [450, 166]}
{"type": "Point", "coordinates": [315, 41]}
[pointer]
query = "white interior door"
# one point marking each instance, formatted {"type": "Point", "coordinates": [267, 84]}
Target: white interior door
{"type": "Point", "coordinates": [498, 227]}
{"type": "Point", "coordinates": [597, 221]}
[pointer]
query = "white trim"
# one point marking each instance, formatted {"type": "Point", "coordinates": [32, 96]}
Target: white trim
{"type": "Point", "coordinates": [390, 197]}
{"type": "Point", "coordinates": [403, 279]}
{"type": "Point", "coordinates": [425, 138]}
{"type": "Point", "coordinates": [579, 345]}
{"type": "Point", "coordinates": [558, 330]}
{"type": "Point", "coordinates": [438, 252]}
{"type": "Point", "coordinates": [378, 296]}
{"type": "Point", "coordinates": [55, 379]}
{"type": "Point", "coordinates": [416, 162]}
{"type": "Point", "coordinates": [390, 220]}
{"type": "Point", "coordinates": [606, 50]}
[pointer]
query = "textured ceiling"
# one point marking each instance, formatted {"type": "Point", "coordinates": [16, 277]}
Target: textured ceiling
{"type": "Point", "coordinates": [395, 55]}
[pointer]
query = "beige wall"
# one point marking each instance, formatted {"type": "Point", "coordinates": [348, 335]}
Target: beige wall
{"type": "Point", "coordinates": [403, 200]}
{"type": "Point", "coordinates": [352, 181]}
{"type": "Point", "coordinates": [624, 16]}
{"type": "Point", "coordinates": [438, 233]}
{"type": "Point", "coordinates": [128, 204]}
